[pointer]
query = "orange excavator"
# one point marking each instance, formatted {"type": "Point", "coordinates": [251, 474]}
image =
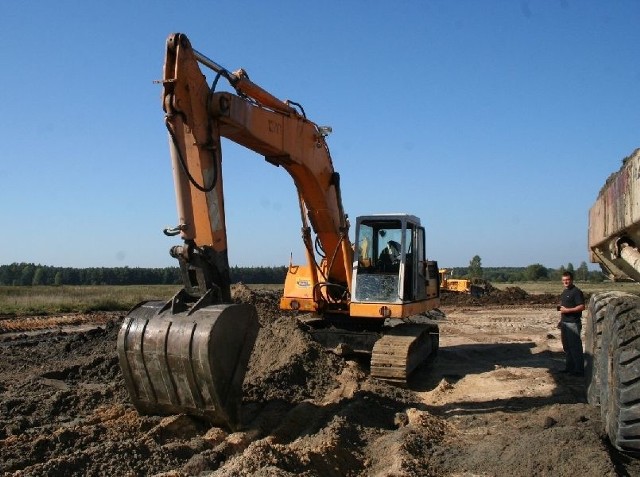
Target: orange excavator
{"type": "Point", "coordinates": [190, 354]}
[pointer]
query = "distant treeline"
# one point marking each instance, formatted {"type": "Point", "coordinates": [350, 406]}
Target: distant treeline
{"type": "Point", "coordinates": [29, 274]}
{"type": "Point", "coordinates": [532, 273]}
{"type": "Point", "coordinates": [21, 274]}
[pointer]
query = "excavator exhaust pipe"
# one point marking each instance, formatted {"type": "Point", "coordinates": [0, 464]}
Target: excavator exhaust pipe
{"type": "Point", "coordinates": [189, 362]}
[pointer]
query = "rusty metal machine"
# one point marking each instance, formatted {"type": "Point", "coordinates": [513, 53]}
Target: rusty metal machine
{"type": "Point", "coordinates": [612, 335]}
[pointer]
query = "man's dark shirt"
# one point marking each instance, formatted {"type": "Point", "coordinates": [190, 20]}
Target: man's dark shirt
{"type": "Point", "coordinates": [570, 298]}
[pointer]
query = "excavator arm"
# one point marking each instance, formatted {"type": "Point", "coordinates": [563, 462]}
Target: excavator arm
{"type": "Point", "coordinates": [198, 117]}
{"type": "Point", "coordinates": [190, 355]}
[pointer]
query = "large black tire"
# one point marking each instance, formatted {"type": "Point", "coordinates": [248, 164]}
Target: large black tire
{"type": "Point", "coordinates": [593, 343]}
{"type": "Point", "coordinates": [619, 373]}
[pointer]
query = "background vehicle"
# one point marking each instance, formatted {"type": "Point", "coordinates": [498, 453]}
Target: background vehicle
{"type": "Point", "coordinates": [613, 320]}
{"type": "Point", "coordinates": [475, 287]}
{"type": "Point", "coordinates": [190, 355]}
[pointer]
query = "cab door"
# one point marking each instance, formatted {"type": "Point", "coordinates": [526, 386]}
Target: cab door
{"type": "Point", "coordinates": [419, 265]}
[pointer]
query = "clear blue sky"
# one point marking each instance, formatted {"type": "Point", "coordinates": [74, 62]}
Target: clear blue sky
{"type": "Point", "coordinates": [496, 122]}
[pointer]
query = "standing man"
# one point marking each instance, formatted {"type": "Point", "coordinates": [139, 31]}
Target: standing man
{"type": "Point", "coordinates": [570, 308]}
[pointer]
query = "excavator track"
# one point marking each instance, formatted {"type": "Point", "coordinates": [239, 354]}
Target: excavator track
{"type": "Point", "coordinates": [402, 350]}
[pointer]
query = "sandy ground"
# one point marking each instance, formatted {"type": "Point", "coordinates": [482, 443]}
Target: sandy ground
{"type": "Point", "coordinates": [492, 403]}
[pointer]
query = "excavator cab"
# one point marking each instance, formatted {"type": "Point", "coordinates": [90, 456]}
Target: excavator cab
{"type": "Point", "coordinates": [389, 263]}
{"type": "Point", "coordinates": [395, 285]}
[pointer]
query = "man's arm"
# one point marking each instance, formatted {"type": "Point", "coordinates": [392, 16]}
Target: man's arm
{"type": "Point", "coordinates": [575, 309]}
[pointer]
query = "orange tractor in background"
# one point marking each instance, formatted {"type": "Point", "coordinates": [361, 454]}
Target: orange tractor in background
{"type": "Point", "coordinates": [471, 286]}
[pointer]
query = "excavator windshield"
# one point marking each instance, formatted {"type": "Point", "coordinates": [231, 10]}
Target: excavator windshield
{"type": "Point", "coordinates": [389, 252]}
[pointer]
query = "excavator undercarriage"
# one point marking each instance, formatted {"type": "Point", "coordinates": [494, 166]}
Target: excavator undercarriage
{"type": "Point", "coordinates": [396, 348]}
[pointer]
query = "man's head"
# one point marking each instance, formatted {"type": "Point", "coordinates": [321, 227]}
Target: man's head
{"type": "Point", "coordinates": [567, 279]}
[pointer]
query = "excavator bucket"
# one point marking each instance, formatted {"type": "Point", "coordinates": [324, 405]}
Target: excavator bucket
{"type": "Point", "coordinates": [188, 362]}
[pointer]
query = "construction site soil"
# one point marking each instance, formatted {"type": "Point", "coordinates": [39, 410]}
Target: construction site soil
{"type": "Point", "coordinates": [492, 403]}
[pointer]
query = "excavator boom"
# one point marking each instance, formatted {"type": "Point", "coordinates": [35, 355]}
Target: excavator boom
{"type": "Point", "coordinates": [157, 342]}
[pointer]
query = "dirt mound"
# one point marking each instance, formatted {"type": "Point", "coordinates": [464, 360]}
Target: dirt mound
{"type": "Point", "coordinates": [12, 324]}
{"type": "Point", "coordinates": [496, 297]}
{"type": "Point", "coordinates": [285, 364]}
{"type": "Point", "coordinates": [64, 409]}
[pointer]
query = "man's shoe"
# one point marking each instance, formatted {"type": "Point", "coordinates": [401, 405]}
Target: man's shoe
{"type": "Point", "coordinates": [578, 375]}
